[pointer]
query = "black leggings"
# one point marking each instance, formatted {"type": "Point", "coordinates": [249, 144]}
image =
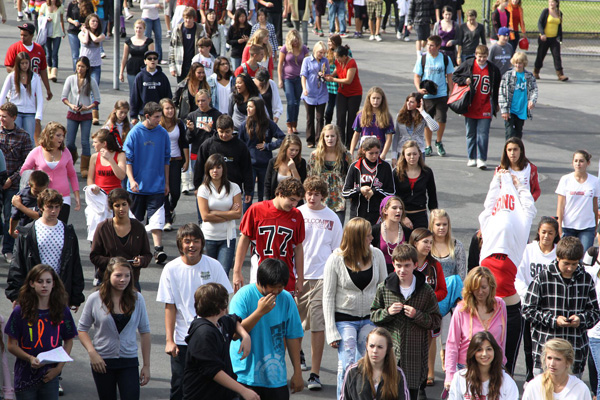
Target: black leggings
{"type": "Point", "coordinates": [127, 379]}
{"type": "Point", "coordinates": [528, 350]}
{"type": "Point", "coordinates": [543, 45]}
{"type": "Point", "coordinates": [280, 393]}
{"type": "Point", "coordinates": [514, 332]}
{"type": "Point", "coordinates": [312, 135]}
{"type": "Point", "coordinates": [388, 8]}
{"type": "Point", "coordinates": [172, 198]}
{"type": "Point", "coordinates": [330, 108]}
{"type": "Point", "coordinates": [347, 108]}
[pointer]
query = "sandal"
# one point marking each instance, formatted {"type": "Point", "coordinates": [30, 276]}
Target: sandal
{"type": "Point", "coordinates": [430, 380]}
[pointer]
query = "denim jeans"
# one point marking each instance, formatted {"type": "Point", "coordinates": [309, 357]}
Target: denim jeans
{"type": "Point", "coordinates": [44, 391]}
{"type": "Point", "coordinates": [218, 250]}
{"type": "Point", "coordinates": [27, 122]}
{"type": "Point", "coordinates": [9, 242]}
{"type": "Point", "coordinates": [75, 46]}
{"type": "Point", "coordinates": [52, 46]}
{"type": "Point", "coordinates": [293, 91]}
{"type": "Point", "coordinates": [513, 127]}
{"type": "Point", "coordinates": [352, 346]}
{"type": "Point", "coordinates": [130, 82]}
{"type": "Point", "coordinates": [595, 352]}
{"type": "Point", "coordinates": [235, 63]}
{"type": "Point", "coordinates": [95, 73]}
{"type": "Point", "coordinates": [260, 173]}
{"type": "Point", "coordinates": [72, 127]}
{"type": "Point", "coordinates": [478, 134]}
{"type": "Point", "coordinates": [586, 236]}
{"type": "Point", "coordinates": [337, 9]}
{"type": "Point", "coordinates": [153, 25]}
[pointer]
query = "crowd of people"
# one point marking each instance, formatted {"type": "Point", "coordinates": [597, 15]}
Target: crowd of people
{"type": "Point", "coordinates": [384, 282]}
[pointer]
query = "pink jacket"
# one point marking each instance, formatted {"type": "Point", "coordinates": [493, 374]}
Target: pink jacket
{"type": "Point", "coordinates": [462, 328]}
{"type": "Point", "coordinates": [60, 177]}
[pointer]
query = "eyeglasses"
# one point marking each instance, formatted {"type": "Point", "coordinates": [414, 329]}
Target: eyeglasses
{"type": "Point", "coordinates": [152, 58]}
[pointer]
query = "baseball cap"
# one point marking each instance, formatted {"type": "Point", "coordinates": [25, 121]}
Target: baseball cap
{"type": "Point", "coordinates": [27, 26]}
{"type": "Point", "coordinates": [504, 31]}
{"type": "Point", "coordinates": [150, 53]}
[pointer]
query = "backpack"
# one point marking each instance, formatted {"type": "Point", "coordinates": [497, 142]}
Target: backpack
{"type": "Point", "coordinates": [446, 61]}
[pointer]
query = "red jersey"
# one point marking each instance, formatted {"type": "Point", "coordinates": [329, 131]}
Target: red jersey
{"type": "Point", "coordinates": [481, 106]}
{"type": "Point", "coordinates": [37, 55]}
{"type": "Point", "coordinates": [274, 234]}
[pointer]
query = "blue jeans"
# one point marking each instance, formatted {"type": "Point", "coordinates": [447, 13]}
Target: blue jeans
{"type": "Point", "coordinates": [27, 122]}
{"type": "Point", "coordinates": [260, 173]}
{"type": "Point", "coordinates": [95, 73]}
{"type": "Point", "coordinates": [595, 351]}
{"type": "Point", "coordinates": [586, 236]}
{"type": "Point", "coordinates": [293, 91]}
{"type": "Point", "coordinates": [153, 25]}
{"type": "Point", "coordinates": [75, 46]}
{"type": "Point", "coordinates": [218, 250]}
{"type": "Point", "coordinates": [45, 391]}
{"type": "Point", "coordinates": [235, 63]}
{"type": "Point", "coordinates": [337, 9]}
{"type": "Point", "coordinates": [9, 242]}
{"type": "Point", "coordinates": [52, 46]}
{"type": "Point", "coordinates": [478, 134]}
{"type": "Point", "coordinates": [130, 82]}
{"type": "Point", "coordinates": [352, 346]}
{"type": "Point", "coordinates": [72, 127]}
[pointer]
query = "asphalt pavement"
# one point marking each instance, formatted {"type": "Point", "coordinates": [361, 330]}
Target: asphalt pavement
{"type": "Point", "coordinates": [566, 118]}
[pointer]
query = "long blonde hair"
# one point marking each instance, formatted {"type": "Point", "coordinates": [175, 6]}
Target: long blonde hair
{"type": "Point", "coordinates": [473, 283]}
{"type": "Point", "coordinates": [321, 150]}
{"type": "Point", "coordinates": [565, 349]}
{"type": "Point", "coordinates": [437, 214]}
{"type": "Point", "coordinates": [382, 113]}
{"type": "Point", "coordinates": [353, 247]}
{"type": "Point", "coordinates": [258, 39]}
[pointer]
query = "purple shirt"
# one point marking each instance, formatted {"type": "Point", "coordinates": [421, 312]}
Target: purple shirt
{"type": "Point", "coordinates": [292, 64]}
{"type": "Point", "coordinates": [373, 129]}
{"type": "Point", "coordinates": [34, 339]}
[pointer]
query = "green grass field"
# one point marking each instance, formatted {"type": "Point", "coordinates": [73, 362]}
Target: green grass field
{"type": "Point", "coordinates": [578, 17]}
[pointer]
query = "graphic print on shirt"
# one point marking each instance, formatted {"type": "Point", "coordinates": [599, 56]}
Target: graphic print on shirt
{"type": "Point", "coordinates": [271, 232]}
{"type": "Point", "coordinates": [318, 224]}
{"type": "Point", "coordinates": [152, 85]}
{"type": "Point", "coordinates": [536, 268]}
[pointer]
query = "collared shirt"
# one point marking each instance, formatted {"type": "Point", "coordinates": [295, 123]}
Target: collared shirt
{"type": "Point", "coordinates": [16, 145]}
{"type": "Point", "coordinates": [317, 89]}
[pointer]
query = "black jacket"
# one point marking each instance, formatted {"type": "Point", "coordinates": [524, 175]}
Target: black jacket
{"type": "Point", "coordinates": [544, 19]}
{"type": "Point", "coordinates": [147, 88]}
{"type": "Point", "coordinates": [465, 70]}
{"type": "Point", "coordinates": [357, 388]}
{"type": "Point", "coordinates": [208, 354]}
{"type": "Point", "coordinates": [424, 194]}
{"type": "Point", "coordinates": [181, 98]}
{"type": "Point", "coordinates": [271, 178]}
{"type": "Point", "coordinates": [496, 24]}
{"type": "Point", "coordinates": [237, 157]}
{"type": "Point", "coordinates": [421, 12]}
{"type": "Point", "coordinates": [27, 256]}
{"type": "Point", "coordinates": [198, 136]}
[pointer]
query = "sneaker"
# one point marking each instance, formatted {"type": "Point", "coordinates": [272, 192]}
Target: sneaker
{"type": "Point", "coordinates": [360, 35]}
{"type": "Point", "coordinates": [481, 165]}
{"type": "Point", "coordinates": [103, 55]}
{"type": "Point", "coordinates": [378, 38]}
{"type": "Point", "coordinates": [471, 163]}
{"type": "Point", "coordinates": [168, 227]}
{"type": "Point", "coordinates": [356, 36]}
{"type": "Point", "coordinates": [61, 391]}
{"type": "Point", "coordinates": [20, 17]}
{"type": "Point", "coordinates": [428, 151]}
{"type": "Point", "coordinates": [440, 149]}
{"type": "Point", "coordinates": [406, 39]}
{"type": "Point", "coordinates": [314, 383]}
{"type": "Point", "coordinates": [303, 366]}
{"type": "Point", "coordinates": [28, 15]}
{"type": "Point", "coordinates": [8, 257]}
{"type": "Point", "coordinates": [372, 37]}
{"type": "Point", "coordinates": [123, 33]}
{"type": "Point", "coordinates": [168, 34]}
{"type": "Point", "coordinates": [159, 255]}
{"type": "Point", "coordinates": [398, 35]}
{"type": "Point", "coordinates": [343, 35]}
{"type": "Point", "coordinates": [128, 15]}
{"type": "Point", "coordinates": [321, 34]}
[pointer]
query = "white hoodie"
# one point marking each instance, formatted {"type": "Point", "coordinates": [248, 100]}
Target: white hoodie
{"type": "Point", "coordinates": [458, 388]}
{"type": "Point", "coordinates": [506, 220]}
{"type": "Point", "coordinates": [575, 389]}
{"type": "Point", "coordinates": [532, 263]}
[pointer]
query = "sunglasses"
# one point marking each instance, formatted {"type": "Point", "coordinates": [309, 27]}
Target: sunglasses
{"type": "Point", "coordinates": [152, 58]}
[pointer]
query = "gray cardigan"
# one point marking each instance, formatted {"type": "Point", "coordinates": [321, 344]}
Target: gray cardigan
{"type": "Point", "coordinates": [71, 93]}
{"type": "Point", "coordinates": [108, 342]}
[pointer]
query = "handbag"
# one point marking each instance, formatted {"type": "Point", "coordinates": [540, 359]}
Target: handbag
{"type": "Point", "coordinates": [460, 99]}
{"type": "Point", "coordinates": [43, 31]}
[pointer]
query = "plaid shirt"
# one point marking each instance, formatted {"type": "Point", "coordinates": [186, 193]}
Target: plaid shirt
{"type": "Point", "coordinates": [549, 297]}
{"type": "Point", "coordinates": [507, 89]}
{"type": "Point", "coordinates": [410, 335]}
{"type": "Point", "coordinates": [15, 145]}
{"type": "Point", "coordinates": [220, 8]}
{"type": "Point", "coordinates": [176, 49]}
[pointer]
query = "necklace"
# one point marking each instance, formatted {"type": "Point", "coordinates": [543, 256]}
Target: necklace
{"type": "Point", "coordinates": [391, 246]}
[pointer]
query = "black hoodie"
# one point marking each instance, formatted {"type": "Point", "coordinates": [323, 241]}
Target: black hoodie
{"type": "Point", "coordinates": [148, 87]}
{"type": "Point", "coordinates": [207, 355]}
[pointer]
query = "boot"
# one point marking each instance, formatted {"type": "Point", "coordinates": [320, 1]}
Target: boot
{"type": "Point", "coordinates": [95, 119]}
{"type": "Point", "coordinates": [84, 166]}
{"type": "Point", "coordinates": [74, 155]}
{"type": "Point", "coordinates": [289, 128]}
{"type": "Point", "coordinates": [561, 77]}
{"type": "Point", "coordinates": [53, 74]}
{"type": "Point", "coordinates": [185, 182]}
{"type": "Point", "coordinates": [536, 73]}
{"type": "Point", "coordinates": [51, 77]}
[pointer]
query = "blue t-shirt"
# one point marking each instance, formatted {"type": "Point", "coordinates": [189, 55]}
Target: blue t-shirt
{"type": "Point", "coordinates": [265, 366]}
{"type": "Point", "coordinates": [434, 71]}
{"type": "Point", "coordinates": [518, 106]}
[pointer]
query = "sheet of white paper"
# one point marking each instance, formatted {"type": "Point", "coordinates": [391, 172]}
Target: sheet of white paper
{"type": "Point", "coordinates": [56, 355]}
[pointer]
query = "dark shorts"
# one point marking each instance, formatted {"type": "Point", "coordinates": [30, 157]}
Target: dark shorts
{"type": "Point", "coordinates": [423, 31]}
{"type": "Point", "coordinates": [437, 108]}
{"type": "Point", "coordinates": [320, 6]}
{"type": "Point", "coordinates": [360, 12]}
{"type": "Point", "coordinates": [145, 205]}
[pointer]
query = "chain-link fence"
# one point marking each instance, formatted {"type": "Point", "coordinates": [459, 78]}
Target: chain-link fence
{"type": "Point", "coordinates": [581, 23]}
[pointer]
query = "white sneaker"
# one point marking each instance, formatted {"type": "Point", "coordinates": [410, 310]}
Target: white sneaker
{"type": "Point", "coordinates": [128, 15]}
{"type": "Point", "coordinates": [168, 34]}
{"type": "Point", "coordinates": [378, 38]}
{"type": "Point", "coordinates": [398, 35]}
{"type": "Point", "coordinates": [407, 39]}
{"type": "Point", "coordinates": [372, 37]}
{"type": "Point", "coordinates": [103, 55]}
{"type": "Point", "coordinates": [168, 227]}
{"type": "Point", "coordinates": [481, 165]}
{"type": "Point", "coordinates": [471, 163]}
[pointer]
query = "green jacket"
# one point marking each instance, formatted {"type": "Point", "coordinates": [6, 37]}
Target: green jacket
{"type": "Point", "coordinates": [410, 335]}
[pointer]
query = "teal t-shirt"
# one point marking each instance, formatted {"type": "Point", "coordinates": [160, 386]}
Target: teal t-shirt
{"type": "Point", "coordinates": [518, 106]}
{"type": "Point", "coordinates": [434, 71]}
{"type": "Point", "coordinates": [265, 366]}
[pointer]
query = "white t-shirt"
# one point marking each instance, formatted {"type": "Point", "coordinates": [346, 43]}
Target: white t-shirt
{"type": "Point", "coordinates": [50, 241]}
{"type": "Point", "coordinates": [575, 389]}
{"type": "Point", "coordinates": [178, 283]}
{"type": "Point", "coordinates": [579, 208]}
{"type": "Point", "coordinates": [524, 176]}
{"type": "Point", "coordinates": [532, 263]}
{"type": "Point", "coordinates": [174, 138]}
{"type": "Point", "coordinates": [458, 388]}
{"type": "Point", "coordinates": [223, 93]}
{"type": "Point", "coordinates": [219, 202]}
{"type": "Point", "coordinates": [208, 62]}
{"type": "Point", "coordinates": [593, 270]}
{"type": "Point", "coordinates": [406, 292]}
{"type": "Point", "coordinates": [323, 234]}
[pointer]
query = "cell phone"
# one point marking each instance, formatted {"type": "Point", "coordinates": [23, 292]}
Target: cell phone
{"type": "Point", "coordinates": [445, 393]}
